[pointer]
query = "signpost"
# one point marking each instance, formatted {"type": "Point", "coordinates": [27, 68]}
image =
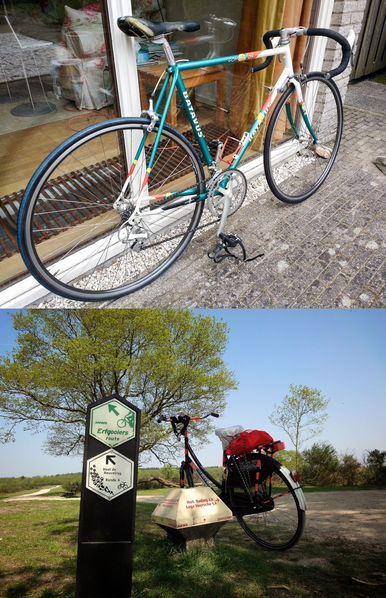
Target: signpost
{"type": "Point", "coordinates": [107, 508]}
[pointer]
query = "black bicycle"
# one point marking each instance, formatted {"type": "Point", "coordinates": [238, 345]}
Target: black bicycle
{"type": "Point", "coordinates": [263, 495]}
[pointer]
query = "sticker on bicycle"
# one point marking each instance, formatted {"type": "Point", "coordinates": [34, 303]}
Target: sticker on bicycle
{"type": "Point", "coordinates": [109, 474]}
{"type": "Point", "coordinates": [112, 423]}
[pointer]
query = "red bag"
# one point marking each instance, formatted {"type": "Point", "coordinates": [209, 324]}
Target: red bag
{"type": "Point", "coordinates": [248, 441]}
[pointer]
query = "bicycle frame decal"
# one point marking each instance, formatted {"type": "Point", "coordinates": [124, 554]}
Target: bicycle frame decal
{"type": "Point", "coordinates": [192, 113]}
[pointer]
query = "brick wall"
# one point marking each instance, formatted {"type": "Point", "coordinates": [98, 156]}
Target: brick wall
{"type": "Point", "coordinates": [347, 14]}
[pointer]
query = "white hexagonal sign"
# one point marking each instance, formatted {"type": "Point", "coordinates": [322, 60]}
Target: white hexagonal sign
{"type": "Point", "coordinates": [112, 423]}
{"type": "Point", "coordinates": [109, 474]}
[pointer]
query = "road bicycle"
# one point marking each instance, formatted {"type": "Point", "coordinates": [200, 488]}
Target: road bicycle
{"type": "Point", "coordinates": [116, 204]}
{"type": "Point", "coordinates": [263, 495]}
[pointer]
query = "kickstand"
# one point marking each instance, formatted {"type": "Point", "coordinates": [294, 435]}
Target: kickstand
{"type": "Point", "coordinates": [228, 242]}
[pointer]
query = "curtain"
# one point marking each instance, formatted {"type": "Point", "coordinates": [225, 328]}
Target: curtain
{"type": "Point", "coordinates": [297, 12]}
{"type": "Point", "coordinates": [248, 93]}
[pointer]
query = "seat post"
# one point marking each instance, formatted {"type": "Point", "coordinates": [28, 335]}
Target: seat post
{"type": "Point", "coordinates": [161, 39]}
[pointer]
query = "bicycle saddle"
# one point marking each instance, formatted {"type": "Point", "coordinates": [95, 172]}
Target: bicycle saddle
{"type": "Point", "coordinates": [136, 27]}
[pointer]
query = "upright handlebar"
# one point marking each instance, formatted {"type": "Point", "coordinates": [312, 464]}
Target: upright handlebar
{"type": "Point", "coordinates": [312, 32]}
{"type": "Point", "coordinates": [183, 418]}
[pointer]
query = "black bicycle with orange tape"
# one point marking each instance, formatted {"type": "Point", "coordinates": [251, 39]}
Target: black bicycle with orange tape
{"type": "Point", "coordinates": [263, 495]}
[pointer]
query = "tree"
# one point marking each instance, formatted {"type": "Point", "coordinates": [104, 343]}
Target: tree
{"type": "Point", "coordinates": [375, 462]}
{"type": "Point", "coordinates": [301, 415]}
{"type": "Point", "coordinates": [288, 458]}
{"type": "Point", "coordinates": [321, 465]}
{"type": "Point", "coordinates": [163, 361]}
{"type": "Point", "coordinates": [350, 471]}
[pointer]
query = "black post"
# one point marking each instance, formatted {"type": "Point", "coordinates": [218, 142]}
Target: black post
{"type": "Point", "coordinates": [107, 507]}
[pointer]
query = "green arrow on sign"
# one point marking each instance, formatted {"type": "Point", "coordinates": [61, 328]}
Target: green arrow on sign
{"type": "Point", "coordinates": [113, 408]}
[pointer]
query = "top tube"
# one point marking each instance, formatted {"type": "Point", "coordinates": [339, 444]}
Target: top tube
{"type": "Point", "coordinates": [280, 50]}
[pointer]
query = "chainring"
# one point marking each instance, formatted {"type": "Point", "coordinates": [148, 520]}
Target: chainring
{"type": "Point", "coordinates": [230, 179]}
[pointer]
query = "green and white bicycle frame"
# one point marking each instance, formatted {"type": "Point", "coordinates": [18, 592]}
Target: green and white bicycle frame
{"type": "Point", "coordinates": [173, 79]}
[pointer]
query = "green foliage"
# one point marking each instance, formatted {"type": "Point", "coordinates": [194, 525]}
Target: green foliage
{"type": "Point", "coordinates": [301, 415]}
{"type": "Point", "coordinates": [321, 465]}
{"type": "Point", "coordinates": [73, 487]}
{"type": "Point", "coordinates": [163, 361]}
{"type": "Point", "coordinates": [288, 458]}
{"type": "Point", "coordinates": [350, 471]}
{"type": "Point", "coordinates": [375, 466]}
{"type": "Point", "coordinates": [169, 473]}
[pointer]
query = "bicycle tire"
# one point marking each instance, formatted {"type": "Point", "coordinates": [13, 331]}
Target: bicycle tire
{"type": "Point", "coordinates": [295, 171]}
{"type": "Point", "coordinates": [271, 519]}
{"type": "Point", "coordinates": [68, 227]}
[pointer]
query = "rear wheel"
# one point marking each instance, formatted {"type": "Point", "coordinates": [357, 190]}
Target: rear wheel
{"type": "Point", "coordinates": [79, 241]}
{"type": "Point", "coordinates": [295, 164]}
{"type": "Point", "coordinates": [272, 516]}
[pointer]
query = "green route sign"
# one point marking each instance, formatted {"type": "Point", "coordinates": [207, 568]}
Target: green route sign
{"type": "Point", "coordinates": [112, 423]}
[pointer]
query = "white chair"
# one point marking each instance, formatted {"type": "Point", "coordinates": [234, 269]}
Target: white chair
{"type": "Point", "coordinates": [26, 44]}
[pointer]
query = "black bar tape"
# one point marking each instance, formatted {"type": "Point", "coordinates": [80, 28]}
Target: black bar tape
{"type": "Point", "coordinates": [311, 31]}
{"type": "Point", "coordinates": [268, 45]}
{"type": "Point", "coordinates": [346, 48]}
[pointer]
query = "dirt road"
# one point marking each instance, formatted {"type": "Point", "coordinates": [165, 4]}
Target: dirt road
{"type": "Point", "coordinates": [353, 515]}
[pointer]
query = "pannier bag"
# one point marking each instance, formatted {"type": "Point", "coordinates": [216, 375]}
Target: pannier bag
{"type": "Point", "coordinates": [248, 441]}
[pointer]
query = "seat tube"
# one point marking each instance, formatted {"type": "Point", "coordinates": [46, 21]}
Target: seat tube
{"type": "Point", "coordinates": [160, 128]}
{"type": "Point", "coordinates": [193, 119]}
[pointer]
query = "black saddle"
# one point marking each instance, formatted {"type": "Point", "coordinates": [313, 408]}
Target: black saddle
{"type": "Point", "coordinates": [136, 27]}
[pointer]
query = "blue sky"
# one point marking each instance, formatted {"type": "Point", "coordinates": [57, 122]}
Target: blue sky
{"type": "Point", "coordinates": [340, 352]}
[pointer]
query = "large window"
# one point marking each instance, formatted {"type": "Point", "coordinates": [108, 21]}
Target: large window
{"type": "Point", "coordinates": [54, 80]}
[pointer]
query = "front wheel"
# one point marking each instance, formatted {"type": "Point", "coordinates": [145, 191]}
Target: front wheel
{"type": "Point", "coordinates": [274, 516]}
{"type": "Point", "coordinates": [297, 157]}
{"type": "Point", "coordinates": [78, 241]}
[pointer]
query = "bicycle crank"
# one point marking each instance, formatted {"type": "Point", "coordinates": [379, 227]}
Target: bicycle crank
{"type": "Point", "coordinates": [232, 183]}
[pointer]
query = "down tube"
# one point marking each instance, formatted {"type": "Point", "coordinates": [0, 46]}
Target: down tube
{"type": "Point", "coordinates": [257, 123]}
{"type": "Point", "coordinates": [193, 119]}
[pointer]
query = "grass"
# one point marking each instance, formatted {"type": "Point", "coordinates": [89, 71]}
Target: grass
{"type": "Point", "coordinates": [38, 560]}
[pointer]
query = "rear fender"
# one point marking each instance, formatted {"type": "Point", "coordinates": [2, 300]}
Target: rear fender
{"type": "Point", "coordinates": [286, 473]}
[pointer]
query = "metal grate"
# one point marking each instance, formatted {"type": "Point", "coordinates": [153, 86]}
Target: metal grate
{"type": "Point", "coordinates": [92, 183]}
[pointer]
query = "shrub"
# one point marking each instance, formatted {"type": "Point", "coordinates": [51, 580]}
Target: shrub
{"type": "Point", "coordinates": [350, 471]}
{"type": "Point", "coordinates": [72, 487]}
{"type": "Point", "coordinates": [170, 473]}
{"type": "Point", "coordinates": [321, 465]}
{"type": "Point", "coordinates": [375, 467]}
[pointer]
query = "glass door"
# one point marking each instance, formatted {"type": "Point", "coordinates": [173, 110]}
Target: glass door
{"type": "Point", "coordinates": [55, 79]}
